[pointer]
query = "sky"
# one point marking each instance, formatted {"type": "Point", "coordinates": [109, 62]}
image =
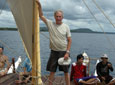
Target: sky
{"type": "Point", "coordinates": [76, 14]}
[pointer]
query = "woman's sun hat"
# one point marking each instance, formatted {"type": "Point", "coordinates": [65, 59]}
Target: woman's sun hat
{"type": "Point", "coordinates": [62, 61]}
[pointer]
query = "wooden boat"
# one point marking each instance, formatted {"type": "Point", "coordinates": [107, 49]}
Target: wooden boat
{"type": "Point", "coordinates": [26, 16]}
{"type": "Point", "coordinates": [10, 80]}
{"type": "Point", "coordinates": [27, 19]}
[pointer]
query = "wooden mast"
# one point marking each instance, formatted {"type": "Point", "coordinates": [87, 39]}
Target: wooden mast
{"type": "Point", "coordinates": [36, 64]}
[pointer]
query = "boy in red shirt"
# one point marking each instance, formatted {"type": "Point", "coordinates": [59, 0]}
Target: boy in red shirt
{"type": "Point", "coordinates": [78, 72]}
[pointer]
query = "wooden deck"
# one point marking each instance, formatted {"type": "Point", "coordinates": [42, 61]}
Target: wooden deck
{"type": "Point", "coordinates": [10, 80]}
{"type": "Point", "coordinates": [58, 80]}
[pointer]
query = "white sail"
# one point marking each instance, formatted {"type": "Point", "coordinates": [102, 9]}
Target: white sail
{"type": "Point", "coordinates": [17, 63]}
{"type": "Point", "coordinates": [23, 13]}
{"type": "Point", "coordinates": [26, 16]}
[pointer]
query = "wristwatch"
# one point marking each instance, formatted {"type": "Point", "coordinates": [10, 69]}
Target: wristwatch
{"type": "Point", "coordinates": [67, 51]}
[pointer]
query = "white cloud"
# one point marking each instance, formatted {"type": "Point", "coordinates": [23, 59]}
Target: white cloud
{"type": "Point", "coordinates": [76, 13]}
{"type": "Point", "coordinates": [6, 19]}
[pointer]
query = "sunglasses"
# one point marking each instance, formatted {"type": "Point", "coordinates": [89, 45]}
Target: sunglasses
{"type": "Point", "coordinates": [104, 58]}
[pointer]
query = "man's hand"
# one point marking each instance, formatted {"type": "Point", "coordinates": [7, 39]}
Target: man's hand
{"type": "Point", "coordinates": [37, 1]}
{"type": "Point", "coordinates": [66, 56]}
{"type": "Point", "coordinates": [40, 12]}
{"type": "Point", "coordinates": [109, 65]}
{"type": "Point", "coordinates": [103, 78]}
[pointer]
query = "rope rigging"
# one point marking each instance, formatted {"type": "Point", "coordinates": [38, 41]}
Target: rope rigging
{"type": "Point", "coordinates": [107, 17]}
{"type": "Point", "coordinates": [111, 43]}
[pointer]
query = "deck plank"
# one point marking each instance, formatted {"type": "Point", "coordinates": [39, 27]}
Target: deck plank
{"type": "Point", "coordinates": [4, 78]}
{"type": "Point", "coordinates": [44, 78]}
{"type": "Point", "coordinates": [59, 80]}
{"type": "Point", "coordinates": [10, 80]}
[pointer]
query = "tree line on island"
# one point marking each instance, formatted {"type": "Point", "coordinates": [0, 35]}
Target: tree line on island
{"type": "Point", "coordinates": [80, 30]}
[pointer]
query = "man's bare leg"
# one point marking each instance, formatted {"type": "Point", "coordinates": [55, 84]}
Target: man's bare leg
{"type": "Point", "coordinates": [51, 77]}
{"type": "Point", "coordinates": [67, 78]}
{"type": "Point", "coordinates": [112, 82]}
{"type": "Point", "coordinates": [90, 81]}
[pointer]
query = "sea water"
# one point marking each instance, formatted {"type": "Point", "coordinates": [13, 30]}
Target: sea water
{"type": "Point", "coordinates": [93, 44]}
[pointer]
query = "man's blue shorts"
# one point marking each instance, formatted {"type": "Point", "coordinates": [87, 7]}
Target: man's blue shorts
{"type": "Point", "coordinates": [85, 78]}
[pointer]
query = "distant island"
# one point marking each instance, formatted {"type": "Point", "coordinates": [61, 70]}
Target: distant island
{"type": "Point", "coordinates": [80, 30]}
{"type": "Point", "coordinates": [10, 29]}
{"type": "Point", "coordinates": [87, 30]}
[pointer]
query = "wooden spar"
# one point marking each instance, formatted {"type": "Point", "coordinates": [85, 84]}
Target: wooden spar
{"type": "Point", "coordinates": [26, 17]}
{"type": "Point", "coordinates": [13, 62]}
{"type": "Point", "coordinates": [36, 64]}
{"type": "Point", "coordinates": [89, 67]}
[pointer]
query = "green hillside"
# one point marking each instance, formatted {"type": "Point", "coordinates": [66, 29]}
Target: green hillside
{"type": "Point", "coordinates": [82, 30]}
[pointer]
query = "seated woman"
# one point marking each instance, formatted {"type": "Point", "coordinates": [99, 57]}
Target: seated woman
{"type": "Point", "coordinates": [3, 62]}
{"type": "Point", "coordinates": [78, 73]}
{"type": "Point", "coordinates": [25, 76]}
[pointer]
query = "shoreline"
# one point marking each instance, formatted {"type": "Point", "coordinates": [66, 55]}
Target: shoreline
{"type": "Point", "coordinates": [76, 31]}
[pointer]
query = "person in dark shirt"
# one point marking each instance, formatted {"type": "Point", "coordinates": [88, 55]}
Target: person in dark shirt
{"type": "Point", "coordinates": [103, 69]}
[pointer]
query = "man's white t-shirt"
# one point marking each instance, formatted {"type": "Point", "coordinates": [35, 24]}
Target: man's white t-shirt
{"type": "Point", "coordinates": [58, 35]}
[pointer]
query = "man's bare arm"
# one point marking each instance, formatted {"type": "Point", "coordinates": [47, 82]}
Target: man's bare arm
{"type": "Point", "coordinates": [69, 43]}
{"type": "Point", "coordinates": [7, 62]}
{"type": "Point", "coordinates": [41, 12]}
{"type": "Point", "coordinates": [68, 48]}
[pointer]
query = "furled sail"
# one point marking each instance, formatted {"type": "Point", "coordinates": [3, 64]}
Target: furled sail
{"type": "Point", "coordinates": [26, 15]}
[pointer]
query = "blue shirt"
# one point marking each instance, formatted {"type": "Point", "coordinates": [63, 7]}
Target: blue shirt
{"type": "Point", "coordinates": [27, 64]}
